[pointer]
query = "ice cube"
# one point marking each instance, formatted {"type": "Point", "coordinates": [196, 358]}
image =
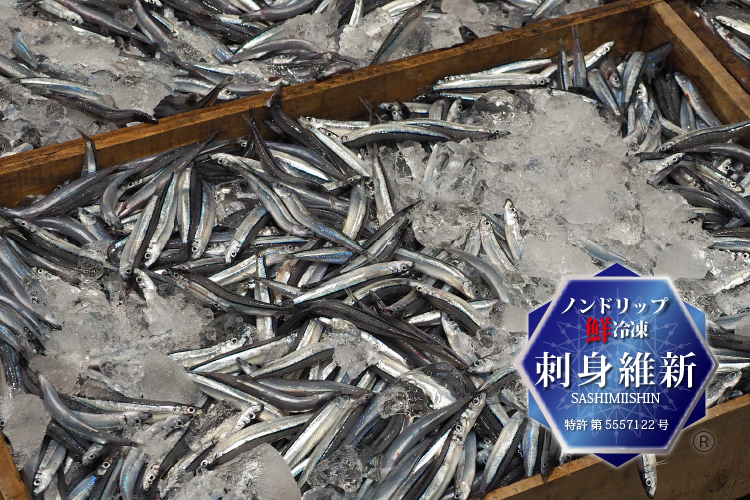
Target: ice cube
{"type": "Point", "coordinates": [26, 421]}
{"type": "Point", "coordinates": [350, 353]}
{"type": "Point", "coordinates": [685, 261]}
{"type": "Point", "coordinates": [465, 10]}
{"type": "Point", "coordinates": [343, 469]}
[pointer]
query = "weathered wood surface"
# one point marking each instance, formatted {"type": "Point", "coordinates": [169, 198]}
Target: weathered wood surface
{"type": "Point", "coordinates": [11, 486]}
{"type": "Point", "coordinates": [635, 25]}
{"type": "Point", "coordinates": [685, 473]}
{"type": "Point", "coordinates": [690, 56]}
{"type": "Point", "coordinates": [736, 67]}
{"type": "Point", "coordinates": [41, 170]}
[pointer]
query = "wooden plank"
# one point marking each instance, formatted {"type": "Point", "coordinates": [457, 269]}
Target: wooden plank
{"type": "Point", "coordinates": [41, 170]}
{"type": "Point", "coordinates": [690, 56]}
{"type": "Point", "coordinates": [639, 24]}
{"type": "Point", "coordinates": [725, 56]}
{"type": "Point", "coordinates": [11, 486]}
{"type": "Point", "coordinates": [685, 473]}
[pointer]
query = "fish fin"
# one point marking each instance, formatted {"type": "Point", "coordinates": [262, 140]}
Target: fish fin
{"type": "Point", "coordinates": [275, 99]}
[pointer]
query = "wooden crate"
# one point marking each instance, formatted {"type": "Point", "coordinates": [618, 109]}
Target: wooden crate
{"type": "Point", "coordinates": [634, 24]}
{"type": "Point", "coordinates": [731, 61]}
{"type": "Point", "coordinates": [685, 473]}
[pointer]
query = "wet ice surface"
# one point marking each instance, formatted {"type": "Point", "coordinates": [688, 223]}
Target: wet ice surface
{"type": "Point", "coordinates": [137, 80]}
{"type": "Point", "coordinates": [261, 473]}
{"type": "Point", "coordinates": [25, 419]}
{"type": "Point", "coordinates": [124, 338]}
{"type": "Point", "coordinates": [567, 188]}
{"type": "Point", "coordinates": [81, 56]}
{"type": "Point", "coordinates": [342, 469]}
{"type": "Point", "coordinates": [349, 355]}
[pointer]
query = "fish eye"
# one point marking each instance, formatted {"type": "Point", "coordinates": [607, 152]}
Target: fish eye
{"type": "Point", "coordinates": [649, 482]}
{"type": "Point", "coordinates": [477, 400]}
{"type": "Point", "coordinates": [147, 255]}
{"type": "Point", "coordinates": [233, 253]}
{"type": "Point", "coordinates": [404, 267]}
{"type": "Point", "coordinates": [37, 482]}
{"type": "Point", "coordinates": [233, 340]}
{"type": "Point", "coordinates": [105, 464]}
{"type": "Point", "coordinates": [190, 410]}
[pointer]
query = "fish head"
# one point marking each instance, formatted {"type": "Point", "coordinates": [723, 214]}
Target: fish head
{"type": "Point", "coordinates": [648, 479]}
{"type": "Point", "coordinates": [221, 159]}
{"type": "Point", "coordinates": [281, 190]}
{"type": "Point", "coordinates": [72, 17]}
{"type": "Point", "coordinates": [106, 464]}
{"type": "Point", "coordinates": [134, 418]}
{"type": "Point", "coordinates": [485, 226]}
{"type": "Point", "coordinates": [401, 266]}
{"type": "Point", "coordinates": [23, 224]}
{"type": "Point", "coordinates": [511, 215]}
{"type": "Point", "coordinates": [306, 122]}
{"type": "Point", "coordinates": [91, 456]}
{"type": "Point", "coordinates": [187, 412]}
{"type": "Point", "coordinates": [232, 251]}
{"type": "Point", "coordinates": [467, 35]}
{"type": "Point", "coordinates": [330, 134]}
{"type": "Point", "coordinates": [477, 402]}
{"type": "Point", "coordinates": [226, 95]}
{"type": "Point", "coordinates": [479, 366]}
{"type": "Point", "coordinates": [42, 479]}
{"type": "Point", "coordinates": [150, 476]}
{"type": "Point", "coordinates": [723, 21]}
{"type": "Point", "coordinates": [468, 288]}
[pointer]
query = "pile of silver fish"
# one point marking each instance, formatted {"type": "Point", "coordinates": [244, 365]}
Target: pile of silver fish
{"type": "Point", "coordinates": [730, 21]}
{"type": "Point", "coordinates": [318, 263]}
{"type": "Point", "coordinates": [209, 51]}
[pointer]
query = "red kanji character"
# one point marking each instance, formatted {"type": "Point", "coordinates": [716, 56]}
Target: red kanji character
{"type": "Point", "coordinates": [606, 327]}
{"type": "Point", "coordinates": [592, 330]}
